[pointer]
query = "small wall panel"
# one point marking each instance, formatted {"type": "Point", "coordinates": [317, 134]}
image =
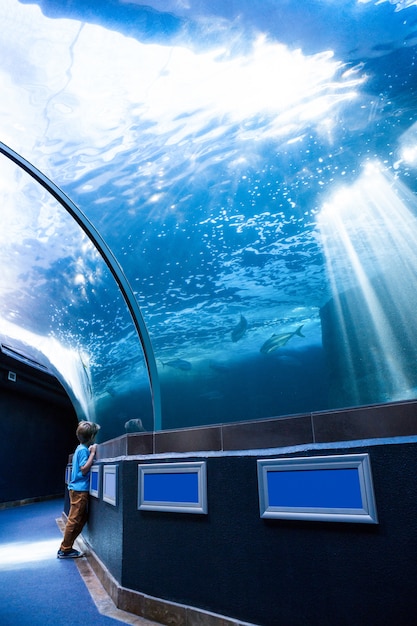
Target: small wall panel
{"type": "Point", "coordinates": [331, 488]}
{"type": "Point", "coordinates": [179, 487]}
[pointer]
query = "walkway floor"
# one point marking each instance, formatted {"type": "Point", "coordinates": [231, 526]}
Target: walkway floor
{"type": "Point", "coordinates": [36, 588]}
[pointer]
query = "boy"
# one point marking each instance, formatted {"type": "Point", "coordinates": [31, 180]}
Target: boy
{"type": "Point", "coordinates": [79, 487]}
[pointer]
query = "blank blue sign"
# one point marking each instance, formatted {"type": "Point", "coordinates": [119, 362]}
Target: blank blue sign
{"type": "Point", "coordinates": [94, 481]}
{"type": "Point", "coordinates": [110, 484]}
{"type": "Point", "coordinates": [170, 487]}
{"type": "Point", "coordinates": [316, 488]}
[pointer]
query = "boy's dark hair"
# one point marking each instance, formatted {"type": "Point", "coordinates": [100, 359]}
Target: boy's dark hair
{"type": "Point", "coordinates": [86, 431]}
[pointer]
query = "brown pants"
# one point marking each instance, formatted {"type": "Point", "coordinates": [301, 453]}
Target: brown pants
{"type": "Point", "coordinates": [77, 518]}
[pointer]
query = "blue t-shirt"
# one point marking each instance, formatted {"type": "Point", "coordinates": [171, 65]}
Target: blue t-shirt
{"type": "Point", "coordinates": [79, 482]}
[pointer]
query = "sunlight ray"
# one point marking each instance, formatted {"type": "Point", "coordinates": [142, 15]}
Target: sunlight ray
{"type": "Point", "coordinates": [370, 244]}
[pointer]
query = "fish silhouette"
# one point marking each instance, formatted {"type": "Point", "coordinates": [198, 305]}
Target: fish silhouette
{"type": "Point", "coordinates": [278, 341]}
{"type": "Point", "coordinates": [240, 329]}
{"type": "Point", "coordinates": [178, 364]}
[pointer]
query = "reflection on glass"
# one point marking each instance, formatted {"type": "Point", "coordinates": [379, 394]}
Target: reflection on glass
{"type": "Point", "coordinates": [223, 158]}
{"type": "Point", "coordinates": [60, 307]}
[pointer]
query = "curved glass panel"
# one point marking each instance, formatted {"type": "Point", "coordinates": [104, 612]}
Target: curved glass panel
{"type": "Point", "coordinates": [252, 167]}
{"type": "Point", "coordinates": [61, 309]}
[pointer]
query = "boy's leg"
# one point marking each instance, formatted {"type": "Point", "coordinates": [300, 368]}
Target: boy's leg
{"type": "Point", "coordinates": [76, 519]}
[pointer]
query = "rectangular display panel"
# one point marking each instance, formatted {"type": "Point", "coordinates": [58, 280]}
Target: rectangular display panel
{"type": "Point", "coordinates": [68, 470]}
{"type": "Point", "coordinates": [95, 481]}
{"type": "Point", "coordinates": [179, 487]}
{"type": "Point", "coordinates": [110, 484]}
{"type": "Point", "coordinates": [330, 488]}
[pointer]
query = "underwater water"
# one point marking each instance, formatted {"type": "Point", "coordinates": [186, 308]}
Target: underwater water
{"type": "Point", "coordinates": [251, 165]}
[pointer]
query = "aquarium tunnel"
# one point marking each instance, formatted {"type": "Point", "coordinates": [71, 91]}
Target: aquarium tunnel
{"type": "Point", "coordinates": [253, 184]}
{"type": "Point", "coordinates": [209, 226]}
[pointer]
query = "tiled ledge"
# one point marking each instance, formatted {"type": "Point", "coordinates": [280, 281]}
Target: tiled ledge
{"type": "Point", "coordinates": [377, 421]}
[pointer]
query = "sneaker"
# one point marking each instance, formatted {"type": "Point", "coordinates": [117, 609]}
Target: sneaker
{"type": "Point", "coordinates": [68, 554]}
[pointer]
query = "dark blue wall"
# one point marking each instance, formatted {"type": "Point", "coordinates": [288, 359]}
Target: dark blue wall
{"type": "Point", "coordinates": [106, 526]}
{"type": "Point", "coordinates": [270, 572]}
{"type": "Point", "coordinates": [37, 426]}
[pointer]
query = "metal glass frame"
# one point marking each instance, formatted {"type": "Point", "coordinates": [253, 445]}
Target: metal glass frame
{"type": "Point", "coordinates": [95, 472]}
{"type": "Point", "coordinates": [109, 489]}
{"type": "Point", "coordinates": [168, 473]}
{"type": "Point", "coordinates": [113, 265]}
{"type": "Point", "coordinates": [334, 488]}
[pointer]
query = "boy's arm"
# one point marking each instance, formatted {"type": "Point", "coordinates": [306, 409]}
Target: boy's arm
{"type": "Point", "coordinates": [87, 465]}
